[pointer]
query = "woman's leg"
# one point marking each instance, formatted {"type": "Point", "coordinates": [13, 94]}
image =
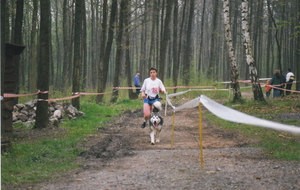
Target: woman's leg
{"type": "Point", "coordinates": [146, 111]}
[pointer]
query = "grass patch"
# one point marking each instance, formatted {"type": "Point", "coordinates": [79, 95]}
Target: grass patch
{"type": "Point", "coordinates": [36, 161]}
{"type": "Point", "coordinates": [279, 145]}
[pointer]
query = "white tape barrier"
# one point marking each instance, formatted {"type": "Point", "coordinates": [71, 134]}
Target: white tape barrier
{"type": "Point", "coordinates": [190, 104]}
{"type": "Point", "coordinates": [239, 117]}
{"type": "Point", "coordinates": [231, 114]}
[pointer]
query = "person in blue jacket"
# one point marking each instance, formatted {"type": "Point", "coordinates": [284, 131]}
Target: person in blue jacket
{"type": "Point", "coordinates": [137, 82]}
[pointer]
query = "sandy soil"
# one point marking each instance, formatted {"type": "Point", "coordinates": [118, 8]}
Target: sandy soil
{"type": "Point", "coordinates": [121, 157]}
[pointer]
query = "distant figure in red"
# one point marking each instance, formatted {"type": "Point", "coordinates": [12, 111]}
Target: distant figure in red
{"type": "Point", "coordinates": [268, 89]}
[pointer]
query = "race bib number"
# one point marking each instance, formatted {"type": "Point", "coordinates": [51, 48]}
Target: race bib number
{"type": "Point", "coordinates": [155, 90]}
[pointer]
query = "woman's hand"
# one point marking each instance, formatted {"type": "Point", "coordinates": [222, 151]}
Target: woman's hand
{"type": "Point", "coordinates": [143, 94]}
{"type": "Point", "coordinates": [162, 92]}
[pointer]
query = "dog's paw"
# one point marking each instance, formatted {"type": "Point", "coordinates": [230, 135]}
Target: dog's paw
{"type": "Point", "coordinates": [152, 143]}
{"type": "Point", "coordinates": [157, 140]}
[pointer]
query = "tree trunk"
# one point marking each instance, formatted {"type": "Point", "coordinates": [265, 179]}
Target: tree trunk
{"type": "Point", "coordinates": [33, 50]}
{"type": "Point", "coordinates": [77, 55]}
{"type": "Point", "coordinates": [268, 73]}
{"type": "Point", "coordinates": [278, 41]}
{"type": "Point", "coordinates": [18, 40]}
{"type": "Point", "coordinates": [84, 48]}
{"type": "Point", "coordinates": [66, 42]}
{"type": "Point", "coordinates": [43, 66]}
{"type": "Point", "coordinates": [127, 54]}
{"type": "Point", "coordinates": [201, 36]}
{"type": "Point", "coordinates": [175, 40]}
{"type": "Point", "coordinates": [119, 49]}
{"type": "Point", "coordinates": [188, 44]}
{"type": "Point", "coordinates": [256, 88]}
{"type": "Point", "coordinates": [234, 68]}
{"type": "Point", "coordinates": [58, 56]}
{"type": "Point", "coordinates": [298, 52]}
{"type": "Point", "coordinates": [164, 40]}
{"type": "Point", "coordinates": [104, 62]}
{"type": "Point", "coordinates": [51, 63]}
{"type": "Point", "coordinates": [176, 64]}
{"type": "Point", "coordinates": [212, 60]}
{"type": "Point", "coordinates": [151, 55]}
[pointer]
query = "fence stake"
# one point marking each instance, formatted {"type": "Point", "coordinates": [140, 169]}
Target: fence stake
{"type": "Point", "coordinates": [200, 134]}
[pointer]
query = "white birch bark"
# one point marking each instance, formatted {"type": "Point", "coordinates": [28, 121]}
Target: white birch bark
{"type": "Point", "coordinates": [233, 64]}
{"type": "Point", "coordinates": [256, 88]}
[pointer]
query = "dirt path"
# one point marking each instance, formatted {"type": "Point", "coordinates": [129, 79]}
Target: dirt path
{"type": "Point", "coordinates": [121, 157]}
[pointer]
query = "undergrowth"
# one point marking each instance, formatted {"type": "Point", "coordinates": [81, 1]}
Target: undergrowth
{"type": "Point", "coordinates": [35, 161]}
{"type": "Point", "coordinates": [277, 144]}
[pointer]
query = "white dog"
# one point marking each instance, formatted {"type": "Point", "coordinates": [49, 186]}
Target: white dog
{"type": "Point", "coordinates": [156, 122]}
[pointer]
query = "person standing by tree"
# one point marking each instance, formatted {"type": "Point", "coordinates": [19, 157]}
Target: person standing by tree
{"type": "Point", "coordinates": [137, 82]}
{"type": "Point", "coordinates": [152, 86]}
{"type": "Point", "coordinates": [276, 81]}
{"type": "Point", "coordinates": [289, 80]}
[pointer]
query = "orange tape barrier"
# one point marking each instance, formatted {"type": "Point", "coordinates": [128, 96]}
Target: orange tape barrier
{"type": "Point", "coordinates": [273, 86]}
{"type": "Point", "coordinates": [9, 95]}
{"type": "Point", "coordinates": [59, 99]}
{"type": "Point", "coordinates": [77, 94]}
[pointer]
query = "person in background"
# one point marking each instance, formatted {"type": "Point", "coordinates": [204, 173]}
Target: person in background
{"type": "Point", "coordinates": [276, 81]}
{"type": "Point", "coordinates": [289, 80]}
{"type": "Point", "coordinates": [137, 82]}
{"type": "Point", "coordinates": [282, 86]}
{"type": "Point", "coordinates": [268, 89]}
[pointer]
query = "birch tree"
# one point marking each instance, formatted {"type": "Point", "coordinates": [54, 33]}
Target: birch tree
{"type": "Point", "coordinates": [233, 64]}
{"type": "Point", "coordinates": [256, 88]}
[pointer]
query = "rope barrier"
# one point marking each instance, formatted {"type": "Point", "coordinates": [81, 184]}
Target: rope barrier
{"type": "Point", "coordinates": [283, 89]}
{"type": "Point", "coordinates": [10, 95]}
{"type": "Point", "coordinates": [59, 99]}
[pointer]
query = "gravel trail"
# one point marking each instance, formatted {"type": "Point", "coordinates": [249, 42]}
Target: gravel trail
{"type": "Point", "coordinates": [121, 157]}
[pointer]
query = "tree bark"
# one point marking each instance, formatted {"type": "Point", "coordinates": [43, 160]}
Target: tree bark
{"type": "Point", "coordinates": [256, 88]}
{"type": "Point", "coordinates": [77, 54]}
{"type": "Point", "coordinates": [201, 37]}
{"type": "Point", "coordinates": [119, 49]}
{"type": "Point", "coordinates": [175, 44]}
{"type": "Point", "coordinates": [151, 55]}
{"type": "Point", "coordinates": [298, 52]}
{"type": "Point", "coordinates": [234, 68]}
{"type": "Point", "coordinates": [84, 48]}
{"type": "Point", "coordinates": [33, 50]}
{"type": "Point", "coordinates": [188, 48]}
{"type": "Point", "coordinates": [58, 56]}
{"type": "Point", "coordinates": [212, 60]}
{"type": "Point", "coordinates": [18, 40]}
{"type": "Point", "coordinates": [66, 42]}
{"type": "Point", "coordinates": [43, 66]}
{"type": "Point", "coordinates": [278, 41]}
{"type": "Point", "coordinates": [164, 40]}
{"type": "Point", "coordinates": [128, 47]}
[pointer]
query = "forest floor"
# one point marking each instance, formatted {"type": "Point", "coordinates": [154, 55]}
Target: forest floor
{"type": "Point", "coordinates": [120, 157]}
